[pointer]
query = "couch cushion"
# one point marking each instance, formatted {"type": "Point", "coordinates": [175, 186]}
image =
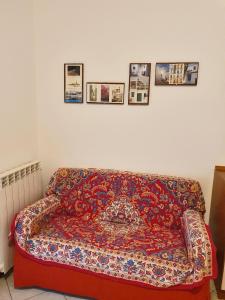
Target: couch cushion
{"type": "Point", "coordinates": [116, 236]}
{"type": "Point", "coordinates": [160, 200]}
{"type": "Point", "coordinates": [129, 252]}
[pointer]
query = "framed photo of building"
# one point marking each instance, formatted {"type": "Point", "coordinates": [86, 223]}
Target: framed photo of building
{"type": "Point", "coordinates": [105, 92]}
{"type": "Point", "coordinates": [180, 73]}
{"type": "Point", "coordinates": [73, 83]}
{"type": "Point", "coordinates": [139, 83]}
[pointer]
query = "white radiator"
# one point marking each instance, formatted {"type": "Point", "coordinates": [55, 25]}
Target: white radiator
{"type": "Point", "coordinates": [18, 188]}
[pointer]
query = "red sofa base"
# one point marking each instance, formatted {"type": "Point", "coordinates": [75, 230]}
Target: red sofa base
{"type": "Point", "coordinates": [30, 273]}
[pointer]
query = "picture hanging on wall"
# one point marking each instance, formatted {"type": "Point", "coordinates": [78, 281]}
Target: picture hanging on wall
{"type": "Point", "coordinates": [105, 92]}
{"type": "Point", "coordinates": [73, 83]}
{"type": "Point", "coordinates": [176, 73]}
{"type": "Point", "coordinates": [139, 83]}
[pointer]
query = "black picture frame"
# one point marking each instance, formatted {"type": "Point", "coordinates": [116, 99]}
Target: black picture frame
{"type": "Point", "coordinates": [176, 74]}
{"type": "Point", "coordinates": [73, 82]}
{"type": "Point", "coordinates": [139, 83]}
{"type": "Point", "coordinates": [105, 92]}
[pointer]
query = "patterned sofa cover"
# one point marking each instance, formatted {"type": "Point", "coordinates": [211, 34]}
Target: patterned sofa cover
{"type": "Point", "coordinates": [146, 229]}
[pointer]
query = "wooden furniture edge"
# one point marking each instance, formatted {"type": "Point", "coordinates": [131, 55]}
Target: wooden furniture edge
{"type": "Point", "coordinates": [220, 168]}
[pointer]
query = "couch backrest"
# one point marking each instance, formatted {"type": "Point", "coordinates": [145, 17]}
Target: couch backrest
{"type": "Point", "coordinates": [160, 200]}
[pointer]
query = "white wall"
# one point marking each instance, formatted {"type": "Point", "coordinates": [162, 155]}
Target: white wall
{"type": "Point", "coordinates": [181, 132]}
{"type": "Point", "coordinates": [17, 105]}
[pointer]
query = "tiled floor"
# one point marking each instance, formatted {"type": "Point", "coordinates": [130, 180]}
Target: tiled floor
{"type": "Point", "coordinates": [7, 292]}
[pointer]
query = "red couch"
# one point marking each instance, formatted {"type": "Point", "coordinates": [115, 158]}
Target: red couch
{"type": "Point", "coordinates": [116, 235]}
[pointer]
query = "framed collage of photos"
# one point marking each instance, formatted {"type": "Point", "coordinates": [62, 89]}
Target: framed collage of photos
{"type": "Point", "coordinates": [73, 83]}
{"type": "Point", "coordinates": [180, 73]}
{"type": "Point", "coordinates": [105, 92]}
{"type": "Point", "coordinates": [139, 83]}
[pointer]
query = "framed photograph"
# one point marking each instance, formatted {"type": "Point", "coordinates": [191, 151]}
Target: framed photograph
{"type": "Point", "coordinates": [139, 83]}
{"type": "Point", "coordinates": [181, 73]}
{"type": "Point", "coordinates": [105, 92]}
{"type": "Point", "coordinates": [73, 83]}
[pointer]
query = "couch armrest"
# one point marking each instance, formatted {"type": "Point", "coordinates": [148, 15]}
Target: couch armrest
{"type": "Point", "coordinates": [200, 247]}
{"type": "Point", "coordinates": [28, 221]}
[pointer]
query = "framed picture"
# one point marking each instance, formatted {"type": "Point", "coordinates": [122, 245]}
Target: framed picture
{"type": "Point", "coordinates": [139, 83]}
{"type": "Point", "coordinates": [73, 83]}
{"type": "Point", "coordinates": [105, 92]}
{"type": "Point", "coordinates": [181, 73]}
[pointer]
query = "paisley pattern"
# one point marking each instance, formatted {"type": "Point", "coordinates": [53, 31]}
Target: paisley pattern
{"type": "Point", "coordinates": [114, 236]}
{"type": "Point", "coordinates": [121, 211]}
{"type": "Point", "coordinates": [31, 219]}
{"type": "Point", "coordinates": [139, 227]}
{"type": "Point", "coordinates": [160, 200]}
{"type": "Point", "coordinates": [198, 245]}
